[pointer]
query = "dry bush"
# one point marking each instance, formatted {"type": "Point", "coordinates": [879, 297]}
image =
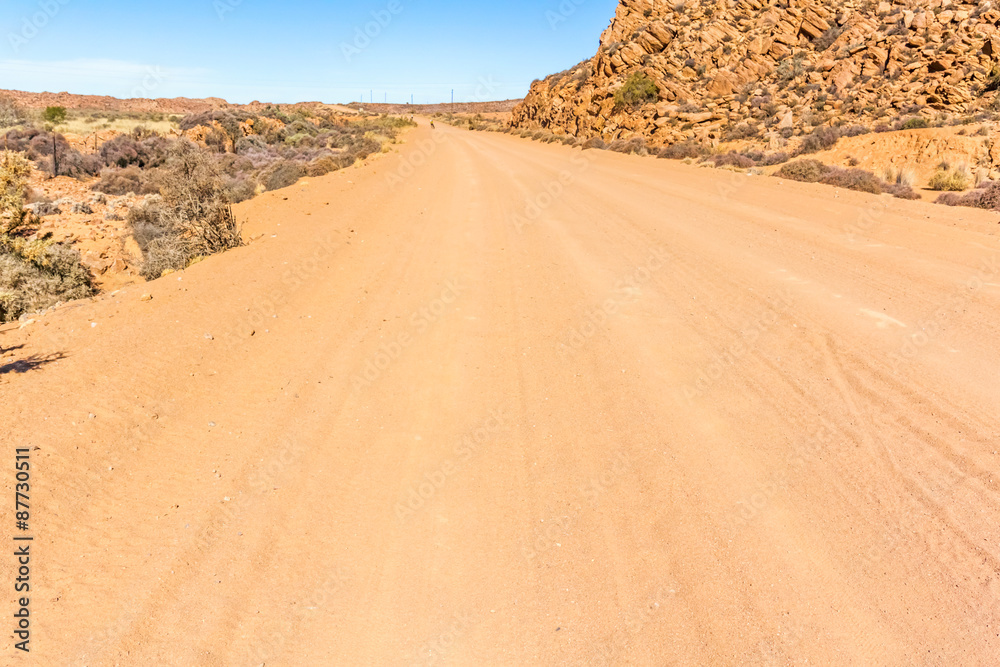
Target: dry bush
{"type": "Point", "coordinates": [950, 180]}
{"type": "Point", "coordinates": [824, 138]}
{"type": "Point", "coordinates": [681, 151]}
{"type": "Point", "coordinates": [15, 170]}
{"type": "Point", "coordinates": [807, 171]}
{"type": "Point", "coordinates": [853, 179]}
{"type": "Point", "coordinates": [10, 112]}
{"type": "Point", "coordinates": [33, 274]}
{"type": "Point", "coordinates": [36, 276]}
{"type": "Point", "coordinates": [814, 171]}
{"type": "Point", "coordinates": [283, 174]}
{"type": "Point", "coordinates": [733, 159]}
{"type": "Point", "coordinates": [193, 216]}
{"type": "Point", "coordinates": [987, 196]}
{"type": "Point", "coordinates": [595, 142]}
{"type": "Point", "coordinates": [633, 146]}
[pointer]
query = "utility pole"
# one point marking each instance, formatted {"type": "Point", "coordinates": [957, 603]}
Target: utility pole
{"type": "Point", "coordinates": [55, 158]}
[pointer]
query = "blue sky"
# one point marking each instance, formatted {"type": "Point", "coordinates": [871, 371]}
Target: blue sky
{"type": "Point", "coordinates": [297, 50]}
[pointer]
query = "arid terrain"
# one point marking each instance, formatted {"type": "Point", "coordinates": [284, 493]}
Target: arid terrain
{"type": "Point", "coordinates": [492, 401]}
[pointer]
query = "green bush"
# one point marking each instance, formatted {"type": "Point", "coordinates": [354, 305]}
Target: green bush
{"type": "Point", "coordinates": [637, 90]}
{"type": "Point", "coordinates": [55, 115]}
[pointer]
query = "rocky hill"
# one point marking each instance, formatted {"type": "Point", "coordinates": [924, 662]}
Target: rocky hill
{"type": "Point", "coordinates": [173, 105]}
{"type": "Point", "coordinates": [770, 69]}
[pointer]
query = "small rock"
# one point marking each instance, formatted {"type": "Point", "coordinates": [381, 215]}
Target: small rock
{"type": "Point", "coordinates": [146, 297]}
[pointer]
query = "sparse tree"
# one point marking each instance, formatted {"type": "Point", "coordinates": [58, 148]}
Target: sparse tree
{"type": "Point", "coordinates": [55, 115]}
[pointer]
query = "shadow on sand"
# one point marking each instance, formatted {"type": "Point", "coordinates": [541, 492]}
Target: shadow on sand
{"type": "Point", "coordinates": [28, 364]}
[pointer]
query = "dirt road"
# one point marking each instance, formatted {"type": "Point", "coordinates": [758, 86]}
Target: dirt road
{"type": "Point", "coordinates": [494, 402]}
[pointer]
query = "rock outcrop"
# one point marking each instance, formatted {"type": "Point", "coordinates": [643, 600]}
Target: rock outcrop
{"type": "Point", "coordinates": [769, 69]}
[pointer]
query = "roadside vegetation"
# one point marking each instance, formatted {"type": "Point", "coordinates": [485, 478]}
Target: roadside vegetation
{"type": "Point", "coordinates": [34, 274]}
{"type": "Point", "coordinates": [814, 171]}
{"type": "Point", "coordinates": [898, 184]}
{"type": "Point", "coordinates": [190, 178]}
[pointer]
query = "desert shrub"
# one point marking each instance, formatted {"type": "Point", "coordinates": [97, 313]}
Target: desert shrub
{"type": "Point", "coordinates": [951, 180]}
{"type": "Point", "coordinates": [749, 130]}
{"type": "Point", "coordinates": [824, 137]}
{"type": "Point", "coordinates": [814, 171]}
{"type": "Point", "coordinates": [121, 181]}
{"type": "Point", "coordinates": [10, 112]}
{"type": "Point", "coordinates": [807, 171]}
{"type": "Point", "coordinates": [40, 147]}
{"type": "Point", "coordinates": [826, 40]}
{"type": "Point", "coordinates": [633, 146]}
{"type": "Point", "coordinates": [681, 151]}
{"type": "Point", "coordinates": [164, 254]}
{"type": "Point", "coordinates": [239, 187]}
{"type": "Point", "coordinates": [772, 159]}
{"type": "Point", "coordinates": [949, 199]}
{"type": "Point", "coordinates": [253, 143]}
{"type": "Point", "coordinates": [36, 275]}
{"type": "Point", "coordinates": [55, 115]}
{"type": "Point", "coordinates": [853, 179]}
{"type": "Point", "coordinates": [733, 159]}
{"type": "Point", "coordinates": [33, 274]}
{"type": "Point", "coordinates": [125, 150]}
{"type": "Point", "coordinates": [987, 196]}
{"type": "Point", "coordinates": [595, 142]}
{"type": "Point", "coordinates": [15, 170]}
{"type": "Point", "coordinates": [915, 123]}
{"type": "Point", "coordinates": [900, 190]}
{"type": "Point", "coordinates": [283, 174]}
{"type": "Point", "coordinates": [193, 217]}
{"type": "Point", "coordinates": [637, 90]}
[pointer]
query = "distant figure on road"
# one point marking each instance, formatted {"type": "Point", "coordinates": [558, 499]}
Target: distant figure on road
{"type": "Point", "coordinates": [432, 125]}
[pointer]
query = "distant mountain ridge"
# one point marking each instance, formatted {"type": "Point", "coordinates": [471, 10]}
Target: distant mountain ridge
{"type": "Point", "coordinates": [175, 105]}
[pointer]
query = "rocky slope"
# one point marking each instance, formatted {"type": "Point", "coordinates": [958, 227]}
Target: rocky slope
{"type": "Point", "coordinates": [746, 69]}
